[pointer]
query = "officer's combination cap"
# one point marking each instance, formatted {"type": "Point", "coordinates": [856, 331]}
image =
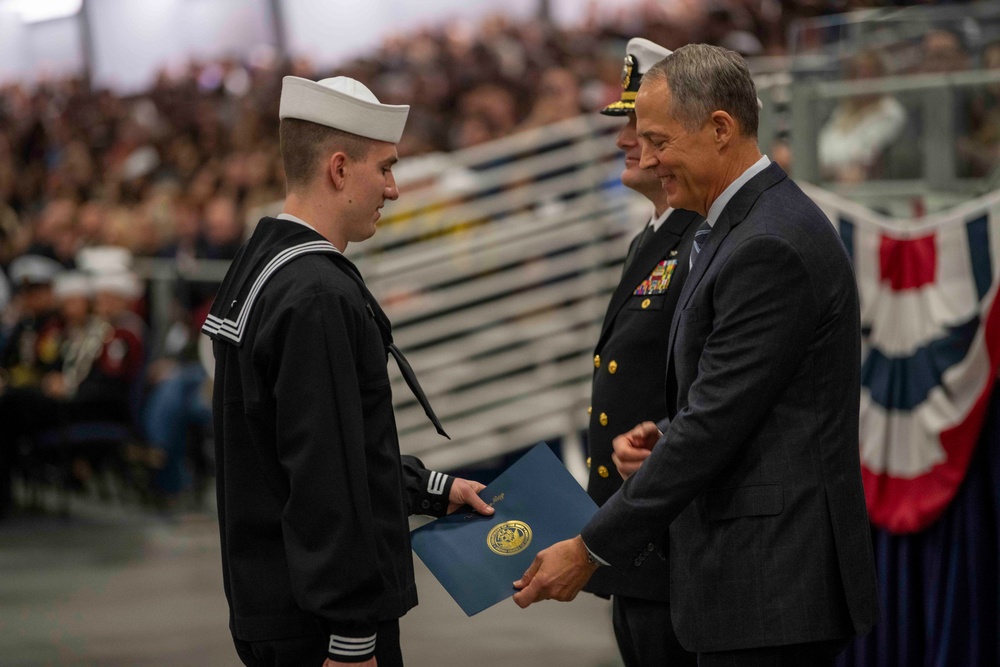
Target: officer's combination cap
{"type": "Point", "coordinates": [640, 55]}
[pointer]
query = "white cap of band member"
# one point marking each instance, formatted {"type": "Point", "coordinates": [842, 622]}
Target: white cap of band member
{"type": "Point", "coordinates": [344, 104]}
{"type": "Point", "coordinates": [122, 283]}
{"type": "Point", "coordinates": [72, 283]}
{"type": "Point", "coordinates": [104, 259]}
{"type": "Point", "coordinates": [29, 270]}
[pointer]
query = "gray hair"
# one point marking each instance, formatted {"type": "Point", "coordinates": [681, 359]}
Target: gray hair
{"type": "Point", "coordinates": [703, 79]}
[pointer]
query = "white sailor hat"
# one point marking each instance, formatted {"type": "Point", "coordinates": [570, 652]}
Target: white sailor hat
{"type": "Point", "coordinates": [344, 104]}
{"type": "Point", "coordinates": [104, 259]}
{"type": "Point", "coordinates": [31, 270]}
{"type": "Point", "coordinates": [122, 283]}
{"type": "Point", "coordinates": [640, 55]}
{"type": "Point", "coordinates": [72, 283]}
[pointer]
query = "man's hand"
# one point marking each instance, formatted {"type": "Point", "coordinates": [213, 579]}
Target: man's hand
{"type": "Point", "coordinates": [634, 447]}
{"type": "Point", "coordinates": [466, 492]}
{"type": "Point", "coordinates": [366, 663]}
{"type": "Point", "coordinates": [557, 573]}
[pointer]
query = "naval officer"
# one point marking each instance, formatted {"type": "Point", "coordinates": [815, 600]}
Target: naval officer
{"type": "Point", "coordinates": [630, 362]}
{"type": "Point", "coordinates": [313, 494]}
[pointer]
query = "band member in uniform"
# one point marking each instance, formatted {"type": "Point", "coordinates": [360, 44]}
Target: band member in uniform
{"type": "Point", "coordinates": [101, 362]}
{"type": "Point", "coordinates": [630, 363]}
{"type": "Point", "coordinates": [29, 351]}
{"type": "Point", "coordinates": [313, 494]}
{"type": "Point", "coordinates": [32, 348]}
{"type": "Point", "coordinates": [756, 477]}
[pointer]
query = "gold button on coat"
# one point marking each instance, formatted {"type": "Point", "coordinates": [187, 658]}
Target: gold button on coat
{"type": "Point", "coordinates": [597, 361]}
{"type": "Point", "coordinates": [604, 419]}
{"type": "Point", "coordinates": [645, 303]}
{"type": "Point", "coordinates": [590, 409]}
{"type": "Point", "coordinates": [612, 367]}
{"type": "Point", "coordinates": [588, 461]}
{"type": "Point", "coordinates": [602, 471]}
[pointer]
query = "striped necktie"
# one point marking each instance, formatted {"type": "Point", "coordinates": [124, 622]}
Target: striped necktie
{"type": "Point", "coordinates": [700, 237]}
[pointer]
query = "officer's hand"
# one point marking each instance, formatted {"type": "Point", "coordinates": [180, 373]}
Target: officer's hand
{"type": "Point", "coordinates": [465, 492]}
{"type": "Point", "coordinates": [634, 447]}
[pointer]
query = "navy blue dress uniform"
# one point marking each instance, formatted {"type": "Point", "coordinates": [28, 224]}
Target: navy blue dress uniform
{"type": "Point", "coordinates": [315, 538]}
{"type": "Point", "coordinates": [630, 356]}
{"type": "Point", "coordinates": [630, 362]}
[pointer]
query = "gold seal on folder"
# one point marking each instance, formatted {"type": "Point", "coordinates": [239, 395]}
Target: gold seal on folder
{"type": "Point", "coordinates": [509, 538]}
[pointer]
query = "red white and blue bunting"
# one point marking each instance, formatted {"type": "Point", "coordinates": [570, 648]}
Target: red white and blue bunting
{"type": "Point", "coordinates": [931, 349]}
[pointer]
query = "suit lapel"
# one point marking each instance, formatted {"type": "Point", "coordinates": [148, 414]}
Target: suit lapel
{"type": "Point", "coordinates": [666, 238]}
{"type": "Point", "coordinates": [733, 214]}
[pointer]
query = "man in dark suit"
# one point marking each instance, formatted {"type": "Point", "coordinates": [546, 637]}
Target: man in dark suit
{"type": "Point", "coordinates": [757, 473]}
{"type": "Point", "coordinates": [630, 361]}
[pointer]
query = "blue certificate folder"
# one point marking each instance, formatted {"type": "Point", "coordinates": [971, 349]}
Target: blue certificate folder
{"type": "Point", "coordinates": [477, 558]}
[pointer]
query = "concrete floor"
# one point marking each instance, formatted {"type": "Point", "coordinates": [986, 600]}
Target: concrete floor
{"type": "Point", "coordinates": [117, 587]}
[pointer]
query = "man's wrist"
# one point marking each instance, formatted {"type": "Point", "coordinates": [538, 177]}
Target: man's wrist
{"type": "Point", "coordinates": [592, 558]}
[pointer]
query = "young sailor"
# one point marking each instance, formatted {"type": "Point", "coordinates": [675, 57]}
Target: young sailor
{"type": "Point", "coordinates": [313, 494]}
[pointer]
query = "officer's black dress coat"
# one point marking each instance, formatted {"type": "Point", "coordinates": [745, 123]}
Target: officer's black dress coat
{"type": "Point", "coordinates": [313, 495]}
{"type": "Point", "coordinates": [630, 362]}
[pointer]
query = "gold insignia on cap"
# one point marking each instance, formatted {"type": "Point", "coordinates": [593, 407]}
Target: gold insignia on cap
{"type": "Point", "coordinates": [627, 69]}
{"type": "Point", "coordinates": [509, 538]}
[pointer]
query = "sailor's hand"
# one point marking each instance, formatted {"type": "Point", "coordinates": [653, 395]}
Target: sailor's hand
{"type": "Point", "coordinates": [466, 492]}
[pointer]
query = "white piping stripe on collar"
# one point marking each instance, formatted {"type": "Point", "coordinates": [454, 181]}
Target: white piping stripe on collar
{"type": "Point", "coordinates": [234, 330]}
{"type": "Point", "coordinates": [436, 483]}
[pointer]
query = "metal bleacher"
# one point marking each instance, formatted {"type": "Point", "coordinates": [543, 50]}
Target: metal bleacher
{"type": "Point", "coordinates": [496, 276]}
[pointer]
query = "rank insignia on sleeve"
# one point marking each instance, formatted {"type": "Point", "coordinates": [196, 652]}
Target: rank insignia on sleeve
{"type": "Point", "coordinates": [659, 280]}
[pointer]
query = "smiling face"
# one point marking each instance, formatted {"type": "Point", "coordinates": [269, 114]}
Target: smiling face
{"type": "Point", "coordinates": [685, 160]}
{"type": "Point", "coordinates": [369, 183]}
{"type": "Point", "coordinates": [635, 177]}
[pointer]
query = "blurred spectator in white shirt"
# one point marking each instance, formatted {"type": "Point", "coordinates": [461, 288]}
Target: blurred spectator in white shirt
{"type": "Point", "coordinates": [861, 127]}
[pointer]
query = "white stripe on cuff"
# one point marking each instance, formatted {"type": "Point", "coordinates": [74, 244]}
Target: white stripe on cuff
{"type": "Point", "coordinates": [352, 645]}
{"type": "Point", "coordinates": [436, 483]}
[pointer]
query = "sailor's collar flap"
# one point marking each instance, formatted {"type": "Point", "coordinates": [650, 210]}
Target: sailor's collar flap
{"type": "Point", "coordinates": [271, 247]}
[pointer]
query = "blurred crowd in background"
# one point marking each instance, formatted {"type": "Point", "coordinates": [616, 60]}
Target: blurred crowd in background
{"type": "Point", "coordinates": [177, 171]}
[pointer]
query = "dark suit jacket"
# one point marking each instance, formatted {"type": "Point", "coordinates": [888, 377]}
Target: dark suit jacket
{"type": "Point", "coordinates": [758, 474]}
{"type": "Point", "coordinates": [630, 361]}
